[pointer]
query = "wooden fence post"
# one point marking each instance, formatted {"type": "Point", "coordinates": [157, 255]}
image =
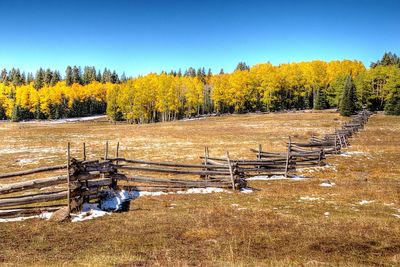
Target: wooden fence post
{"type": "Point", "coordinates": [206, 155]}
{"type": "Point", "coordinates": [230, 170]}
{"type": "Point", "coordinates": [106, 151]}
{"type": "Point", "coordinates": [68, 178]}
{"type": "Point", "coordinates": [259, 151]}
{"type": "Point", "coordinates": [117, 151]}
{"type": "Point", "coordinates": [340, 141]}
{"type": "Point", "coordinates": [84, 151]}
{"type": "Point", "coordinates": [288, 156]}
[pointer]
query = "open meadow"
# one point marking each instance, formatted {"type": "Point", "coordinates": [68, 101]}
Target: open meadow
{"type": "Point", "coordinates": [356, 221]}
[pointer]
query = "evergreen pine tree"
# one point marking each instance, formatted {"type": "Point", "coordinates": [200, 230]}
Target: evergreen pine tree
{"type": "Point", "coordinates": [209, 73]}
{"type": "Point", "coordinates": [29, 78]}
{"type": "Point", "coordinates": [123, 77]}
{"type": "Point", "coordinates": [98, 77]}
{"type": "Point", "coordinates": [348, 102]}
{"type": "Point", "coordinates": [68, 76]}
{"type": "Point", "coordinates": [242, 66]}
{"type": "Point", "coordinates": [16, 77]}
{"type": "Point", "coordinates": [56, 77]}
{"type": "Point", "coordinates": [23, 78]}
{"type": "Point", "coordinates": [320, 100]}
{"type": "Point", "coordinates": [114, 77]}
{"type": "Point", "coordinates": [76, 75]}
{"type": "Point", "coordinates": [16, 114]}
{"type": "Point", "coordinates": [48, 76]}
{"type": "Point", "coordinates": [392, 106]}
{"type": "Point", "coordinates": [221, 71]}
{"type": "Point", "coordinates": [39, 79]}
{"type": "Point", "coordinates": [106, 78]}
{"type": "Point", "coordinates": [4, 76]}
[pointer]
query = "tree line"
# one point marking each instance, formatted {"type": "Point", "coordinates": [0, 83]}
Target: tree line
{"type": "Point", "coordinates": [169, 96]}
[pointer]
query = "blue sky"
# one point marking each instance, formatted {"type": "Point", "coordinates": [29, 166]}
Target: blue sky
{"type": "Point", "coordinates": [139, 37]}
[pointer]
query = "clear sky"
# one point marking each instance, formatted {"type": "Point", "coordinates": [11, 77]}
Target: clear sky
{"type": "Point", "coordinates": [139, 37]}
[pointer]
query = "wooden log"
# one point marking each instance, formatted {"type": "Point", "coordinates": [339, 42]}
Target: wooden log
{"type": "Point", "coordinates": [34, 198]}
{"type": "Point", "coordinates": [141, 179]}
{"type": "Point", "coordinates": [166, 189]}
{"type": "Point", "coordinates": [99, 182]}
{"type": "Point", "coordinates": [37, 183]}
{"type": "Point", "coordinates": [33, 171]}
{"type": "Point", "coordinates": [194, 172]}
{"type": "Point", "coordinates": [166, 164]}
{"type": "Point", "coordinates": [28, 211]}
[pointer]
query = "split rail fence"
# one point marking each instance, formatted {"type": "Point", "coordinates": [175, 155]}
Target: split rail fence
{"type": "Point", "coordinates": [85, 181]}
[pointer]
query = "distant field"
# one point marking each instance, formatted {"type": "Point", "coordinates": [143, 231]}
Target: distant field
{"type": "Point", "coordinates": [355, 222]}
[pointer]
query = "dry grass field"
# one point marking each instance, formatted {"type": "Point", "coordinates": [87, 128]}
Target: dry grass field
{"type": "Point", "coordinates": [297, 223]}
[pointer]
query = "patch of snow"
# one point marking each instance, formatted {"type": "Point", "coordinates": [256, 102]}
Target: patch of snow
{"type": "Point", "coordinates": [298, 178]}
{"type": "Point", "coordinates": [116, 201]}
{"type": "Point", "coordinates": [274, 177]}
{"type": "Point", "coordinates": [206, 190]}
{"type": "Point", "coordinates": [363, 202]}
{"type": "Point", "coordinates": [235, 205]}
{"type": "Point", "coordinates": [78, 119]}
{"type": "Point", "coordinates": [89, 212]}
{"type": "Point", "coordinates": [396, 215]}
{"type": "Point", "coordinates": [327, 213]}
{"type": "Point", "coordinates": [350, 153]}
{"type": "Point", "coordinates": [310, 198]}
{"type": "Point", "coordinates": [44, 215]}
{"type": "Point", "coordinates": [193, 119]}
{"type": "Point", "coordinates": [327, 184]}
{"type": "Point", "coordinates": [388, 204]}
{"type": "Point", "coordinates": [246, 190]}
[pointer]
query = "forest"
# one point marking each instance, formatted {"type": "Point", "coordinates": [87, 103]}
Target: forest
{"type": "Point", "coordinates": [169, 96]}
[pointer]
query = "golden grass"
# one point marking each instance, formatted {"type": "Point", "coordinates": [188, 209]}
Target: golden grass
{"type": "Point", "coordinates": [285, 223]}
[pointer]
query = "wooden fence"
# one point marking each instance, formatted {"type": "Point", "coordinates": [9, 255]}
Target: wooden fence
{"type": "Point", "coordinates": [84, 181]}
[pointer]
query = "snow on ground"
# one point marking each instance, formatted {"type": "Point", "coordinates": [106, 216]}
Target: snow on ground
{"type": "Point", "coordinates": [327, 184]}
{"type": "Point", "coordinates": [318, 168]}
{"type": "Point", "coordinates": [350, 153]}
{"type": "Point", "coordinates": [78, 119]}
{"type": "Point", "coordinates": [396, 215]}
{"type": "Point", "coordinates": [194, 119]}
{"type": "Point", "coordinates": [89, 212]}
{"type": "Point", "coordinates": [44, 215]}
{"type": "Point", "coordinates": [307, 198]}
{"type": "Point", "coordinates": [118, 201]}
{"type": "Point", "coordinates": [363, 202]}
{"type": "Point", "coordinates": [274, 177]}
{"type": "Point", "coordinates": [246, 190]}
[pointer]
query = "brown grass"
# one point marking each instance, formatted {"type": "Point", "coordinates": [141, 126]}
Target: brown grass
{"type": "Point", "coordinates": [276, 226]}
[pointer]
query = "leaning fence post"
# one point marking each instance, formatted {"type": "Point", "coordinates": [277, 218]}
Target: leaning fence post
{"type": "Point", "coordinates": [117, 151]}
{"type": "Point", "coordinates": [84, 152]}
{"type": "Point", "coordinates": [68, 178]}
{"type": "Point", "coordinates": [288, 157]}
{"type": "Point", "coordinates": [259, 151]}
{"type": "Point", "coordinates": [106, 151]}
{"type": "Point", "coordinates": [230, 170]}
{"type": "Point", "coordinates": [206, 155]}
